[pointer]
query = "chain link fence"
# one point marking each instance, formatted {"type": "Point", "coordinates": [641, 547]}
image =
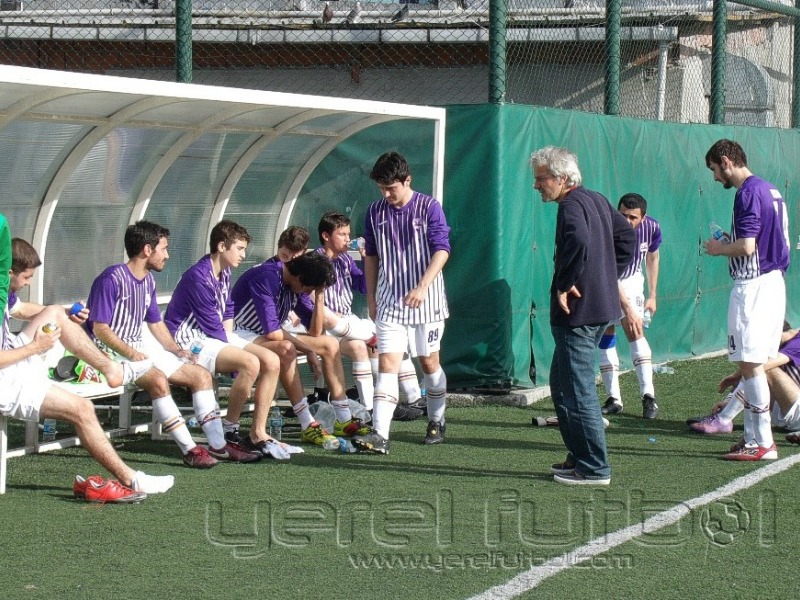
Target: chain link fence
{"type": "Point", "coordinates": [434, 53]}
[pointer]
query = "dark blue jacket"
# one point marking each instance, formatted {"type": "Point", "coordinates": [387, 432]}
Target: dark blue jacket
{"type": "Point", "coordinates": [594, 245]}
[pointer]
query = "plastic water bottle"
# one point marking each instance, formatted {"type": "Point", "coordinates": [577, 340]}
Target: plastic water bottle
{"type": "Point", "coordinates": [356, 244]}
{"type": "Point", "coordinates": [192, 422]}
{"type": "Point", "coordinates": [664, 369]}
{"type": "Point", "coordinates": [275, 423]}
{"type": "Point", "coordinates": [196, 348]}
{"type": "Point", "coordinates": [49, 430]}
{"type": "Point", "coordinates": [718, 233]}
{"type": "Point", "coordinates": [346, 446]}
{"type": "Point", "coordinates": [331, 444]}
{"type": "Point", "coordinates": [647, 318]}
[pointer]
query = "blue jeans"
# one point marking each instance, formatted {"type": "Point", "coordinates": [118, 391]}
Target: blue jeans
{"type": "Point", "coordinates": [572, 384]}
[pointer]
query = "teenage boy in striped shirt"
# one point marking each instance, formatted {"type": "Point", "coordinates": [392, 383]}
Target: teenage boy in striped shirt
{"type": "Point", "coordinates": [648, 240]}
{"type": "Point", "coordinates": [407, 245]}
{"type": "Point", "coordinates": [122, 298]}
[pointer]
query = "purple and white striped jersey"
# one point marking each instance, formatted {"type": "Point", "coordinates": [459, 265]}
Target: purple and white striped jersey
{"type": "Point", "coordinates": [122, 302]}
{"type": "Point", "coordinates": [791, 349]}
{"type": "Point", "coordinates": [262, 301]}
{"type": "Point", "coordinates": [11, 307]}
{"type": "Point", "coordinates": [648, 239]}
{"type": "Point", "coordinates": [404, 240]}
{"type": "Point", "coordinates": [200, 304]}
{"type": "Point", "coordinates": [339, 296]}
{"type": "Point", "coordinates": [759, 212]}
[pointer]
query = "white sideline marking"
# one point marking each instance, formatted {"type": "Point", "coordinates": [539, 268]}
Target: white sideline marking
{"type": "Point", "coordinates": [535, 575]}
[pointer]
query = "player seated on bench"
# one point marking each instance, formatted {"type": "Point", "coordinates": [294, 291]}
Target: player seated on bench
{"type": "Point", "coordinates": [123, 297]}
{"type": "Point", "coordinates": [28, 393]}
{"type": "Point", "coordinates": [262, 299]}
{"type": "Point", "coordinates": [201, 309]}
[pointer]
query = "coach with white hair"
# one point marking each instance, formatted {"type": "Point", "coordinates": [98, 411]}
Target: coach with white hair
{"type": "Point", "coordinates": [594, 244]}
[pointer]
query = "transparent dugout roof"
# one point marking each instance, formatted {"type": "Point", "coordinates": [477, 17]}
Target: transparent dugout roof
{"type": "Point", "coordinates": [87, 155]}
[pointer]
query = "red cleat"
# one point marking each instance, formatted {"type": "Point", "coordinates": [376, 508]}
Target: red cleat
{"type": "Point", "coordinates": [199, 458]}
{"type": "Point", "coordinates": [96, 489]}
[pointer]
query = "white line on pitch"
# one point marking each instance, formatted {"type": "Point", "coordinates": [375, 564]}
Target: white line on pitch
{"type": "Point", "coordinates": [535, 575]}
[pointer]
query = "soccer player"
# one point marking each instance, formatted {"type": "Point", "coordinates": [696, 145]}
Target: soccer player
{"type": "Point", "coordinates": [783, 378]}
{"type": "Point", "coordinates": [262, 298]}
{"type": "Point", "coordinates": [648, 241]}
{"type": "Point", "coordinates": [201, 309]}
{"type": "Point", "coordinates": [356, 335]}
{"type": "Point", "coordinates": [28, 393]}
{"type": "Point", "coordinates": [407, 245]}
{"type": "Point", "coordinates": [122, 297]}
{"type": "Point", "coordinates": [758, 255]}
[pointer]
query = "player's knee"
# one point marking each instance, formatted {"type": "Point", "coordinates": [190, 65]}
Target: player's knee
{"type": "Point", "coordinates": [249, 366]}
{"type": "Point", "coordinates": [83, 410]}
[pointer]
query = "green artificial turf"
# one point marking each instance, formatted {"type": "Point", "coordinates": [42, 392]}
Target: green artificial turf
{"type": "Point", "coordinates": [448, 521]}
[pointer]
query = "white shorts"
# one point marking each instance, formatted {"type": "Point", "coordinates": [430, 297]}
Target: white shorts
{"type": "Point", "coordinates": [791, 420]}
{"type": "Point", "coordinates": [247, 336]}
{"type": "Point", "coordinates": [633, 287]}
{"type": "Point", "coordinates": [164, 361]}
{"type": "Point", "coordinates": [755, 318]}
{"type": "Point", "coordinates": [418, 340]}
{"type": "Point", "coordinates": [212, 347]}
{"type": "Point", "coordinates": [24, 385]}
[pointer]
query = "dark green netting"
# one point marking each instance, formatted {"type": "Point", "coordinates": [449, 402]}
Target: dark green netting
{"type": "Point", "coordinates": [499, 273]}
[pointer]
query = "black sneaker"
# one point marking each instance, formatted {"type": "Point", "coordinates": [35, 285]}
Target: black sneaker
{"type": "Point", "coordinates": [234, 437]}
{"type": "Point", "coordinates": [562, 468]}
{"type": "Point", "coordinates": [435, 433]}
{"type": "Point", "coordinates": [372, 442]}
{"type": "Point", "coordinates": [420, 404]}
{"type": "Point", "coordinates": [649, 407]}
{"type": "Point", "coordinates": [612, 406]}
{"type": "Point", "coordinates": [406, 412]}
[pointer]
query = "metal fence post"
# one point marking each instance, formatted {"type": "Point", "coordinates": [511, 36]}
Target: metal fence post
{"type": "Point", "coordinates": [183, 41]}
{"type": "Point", "coordinates": [613, 56]}
{"type": "Point", "coordinates": [718, 54]}
{"type": "Point", "coordinates": [497, 51]}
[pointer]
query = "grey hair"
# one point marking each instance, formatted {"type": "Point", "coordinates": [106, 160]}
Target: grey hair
{"type": "Point", "coordinates": [560, 162]}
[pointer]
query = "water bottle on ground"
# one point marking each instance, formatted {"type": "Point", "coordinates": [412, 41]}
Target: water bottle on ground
{"type": "Point", "coordinates": [49, 430]}
{"type": "Point", "coordinates": [718, 233]}
{"type": "Point", "coordinates": [664, 369]}
{"type": "Point", "coordinates": [331, 444]}
{"type": "Point", "coordinates": [275, 423]}
{"type": "Point", "coordinates": [647, 318]}
{"type": "Point", "coordinates": [346, 446]}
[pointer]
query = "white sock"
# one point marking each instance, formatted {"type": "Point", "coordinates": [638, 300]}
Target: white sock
{"type": "Point", "coordinates": [642, 358]}
{"type": "Point", "coordinates": [342, 409]}
{"type": "Point", "coordinates": [436, 385]}
{"type": "Point", "coordinates": [408, 381]}
{"type": "Point", "coordinates": [757, 393]}
{"type": "Point", "coordinates": [386, 392]}
{"type": "Point", "coordinates": [151, 484]}
{"type": "Point", "coordinates": [229, 427]}
{"type": "Point", "coordinates": [735, 404]}
{"type": "Point", "coordinates": [373, 365]}
{"type": "Point", "coordinates": [166, 412]}
{"type": "Point", "coordinates": [362, 373]}
{"type": "Point", "coordinates": [609, 371]}
{"type": "Point", "coordinates": [205, 409]}
{"type": "Point", "coordinates": [303, 414]}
